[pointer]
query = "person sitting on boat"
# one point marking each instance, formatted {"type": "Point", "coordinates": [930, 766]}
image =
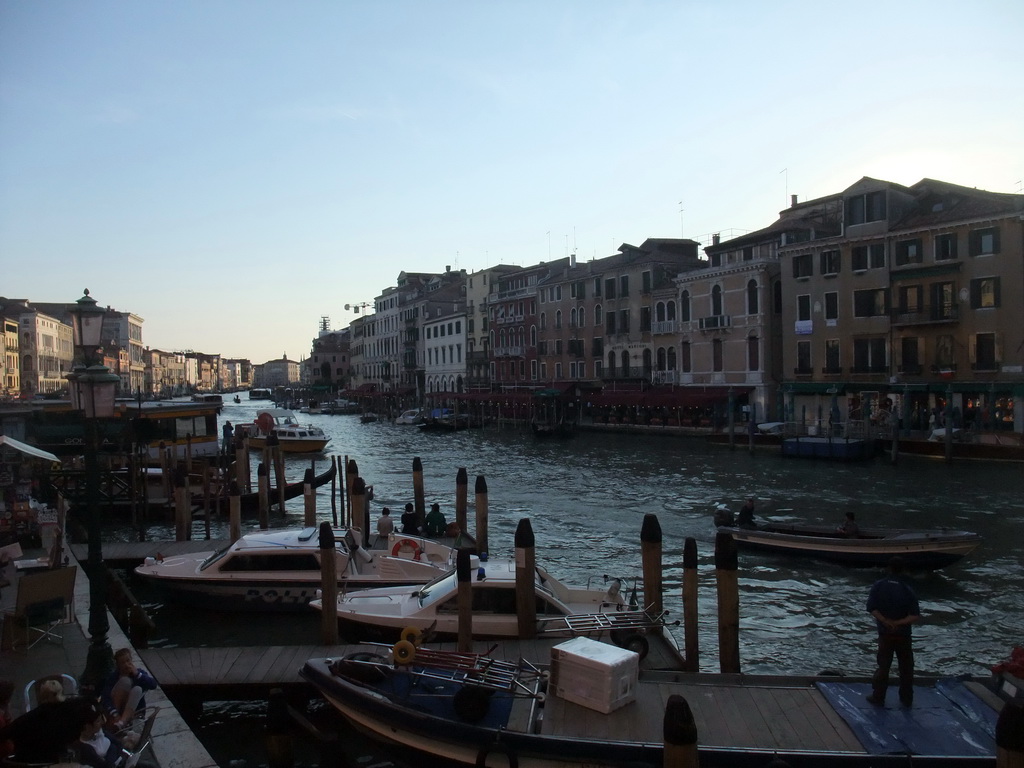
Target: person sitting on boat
{"type": "Point", "coordinates": [745, 519]}
{"type": "Point", "coordinates": [385, 525]}
{"type": "Point", "coordinates": [849, 527]}
{"type": "Point", "coordinates": [409, 525]}
{"type": "Point", "coordinates": [436, 524]}
{"type": "Point", "coordinates": [724, 518]}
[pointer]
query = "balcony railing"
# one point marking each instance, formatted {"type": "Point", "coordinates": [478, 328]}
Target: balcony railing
{"type": "Point", "coordinates": [508, 351]}
{"type": "Point", "coordinates": [665, 377]}
{"type": "Point", "coordinates": [942, 313]}
{"type": "Point", "coordinates": [664, 326]}
{"type": "Point", "coordinates": [715, 321]}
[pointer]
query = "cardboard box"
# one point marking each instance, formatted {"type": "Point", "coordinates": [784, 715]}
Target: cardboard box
{"type": "Point", "coordinates": [595, 675]}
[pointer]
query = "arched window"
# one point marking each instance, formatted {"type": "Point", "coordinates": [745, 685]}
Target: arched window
{"type": "Point", "coordinates": [648, 362]}
{"type": "Point", "coordinates": [573, 318]}
{"type": "Point", "coordinates": [670, 311]}
{"type": "Point", "coordinates": [533, 335]}
{"type": "Point", "coordinates": [716, 300]}
{"type": "Point", "coordinates": [659, 312]}
{"type": "Point", "coordinates": [625, 363]}
{"type": "Point", "coordinates": [671, 359]}
{"type": "Point", "coordinates": [543, 321]}
{"type": "Point", "coordinates": [598, 315]}
{"type": "Point", "coordinates": [752, 303]}
{"type": "Point", "coordinates": [558, 319]}
{"type": "Point", "coordinates": [661, 359]}
{"type": "Point", "coordinates": [686, 363]}
{"type": "Point", "coordinates": [611, 364]}
{"type": "Point", "coordinates": [716, 355]}
{"type": "Point", "coordinates": [753, 354]}
{"type": "Point", "coordinates": [583, 317]}
{"type": "Point", "coordinates": [684, 306]}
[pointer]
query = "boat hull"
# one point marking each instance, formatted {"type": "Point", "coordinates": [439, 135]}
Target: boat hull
{"type": "Point", "coordinates": [919, 550]}
{"type": "Point", "coordinates": [291, 446]}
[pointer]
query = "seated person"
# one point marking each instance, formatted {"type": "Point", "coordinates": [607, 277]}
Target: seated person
{"type": "Point", "coordinates": [409, 522]}
{"type": "Point", "coordinates": [43, 734]}
{"type": "Point", "coordinates": [95, 747]}
{"type": "Point", "coordinates": [849, 527]}
{"type": "Point", "coordinates": [436, 524]}
{"type": "Point", "coordinates": [724, 518]}
{"type": "Point", "coordinates": [745, 518]}
{"type": "Point", "coordinates": [123, 692]}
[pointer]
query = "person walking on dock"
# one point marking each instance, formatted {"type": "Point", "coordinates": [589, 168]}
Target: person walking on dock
{"type": "Point", "coordinates": [895, 608]}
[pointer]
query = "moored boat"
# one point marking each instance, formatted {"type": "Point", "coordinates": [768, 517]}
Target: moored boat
{"type": "Point", "coordinates": [387, 611]}
{"type": "Point", "coordinates": [292, 436]}
{"type": "Point", "coordinates": [870, 547]}
{"type": "Point", "coordinates": [281, 570]}
{"type": "Point", "coordinates": [412, 416]}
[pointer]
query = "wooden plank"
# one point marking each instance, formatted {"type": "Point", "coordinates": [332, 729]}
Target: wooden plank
{"type": "Point", "coordinates": [263, 663]}
{"type": "Point", "coordinates": [772, 706]}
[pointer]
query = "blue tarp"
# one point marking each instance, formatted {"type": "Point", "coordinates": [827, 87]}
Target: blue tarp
{"type": "Point", "coordinates": [947, 720]}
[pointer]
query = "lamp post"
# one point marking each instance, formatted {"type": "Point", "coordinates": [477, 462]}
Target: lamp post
{"type": "Point", "coordinates": [92, 387]}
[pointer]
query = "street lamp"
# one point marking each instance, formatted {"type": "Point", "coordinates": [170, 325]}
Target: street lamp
{"type": "Point", "coordinates": [92, 388]}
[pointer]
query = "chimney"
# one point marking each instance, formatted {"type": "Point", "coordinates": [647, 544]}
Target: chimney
{"type": "Point", "coordinates": [716, 238]}
{"type": "Point", "coordinates": [792, 199]}
{"type": "Point", "coordinates": [447, 268]}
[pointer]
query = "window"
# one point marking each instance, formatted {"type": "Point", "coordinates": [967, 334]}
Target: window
{"type": "Point", "coordinates": [986, 353]}
{"type": "Point", "coordinates": [597, 346]}
{"type": "Point", "coordinates": [753, 354]}
{"type": "Point", "coordinates": [984, 242]}
{"type": "Point", "coordinates": [803, 357]}
{"type": "Point", "coordinates": [777, 297]}
{"type": "Point", "coordinates": [869, 355]}
{"type": "Point", "coordinates": [645, 319]}
{"type": "Point", "coordinates": [752, 297]}
{"type": "Point", "coordinates": [830, 262]}
{"type": "Point", "coordinates": [869, 303]}
{"type": "Point", "coordinates": [716, 355]}
{"type": "Point", "coordinates": [985, 293]}
{"type": "Point", "coordinates": [803, 307]}
{"type": "Point", "coordinates": [861, 209]}
{"type": "Point", "coordinates": [597, 287]}
{"type": "Point", "coordinates": [645, 281]}
{"type": "Point", "coordinates": [558, 320]}
{"type": "Point", "coordinates": [748, 253]}
{"type": "Point", "coordinates": [624, 321]}
{"type": "Point", "coordinates": [684, 357]}
{"type": "Point", "coordinates": [908, 252]}
{"type": "Point", "coordinates": [624, 286]}
{"type": "Point", "coordinates": [578, 290]}
{"type": "Point", "coordinates": [716, 300]}
{"type": "Point", "coordinates": [803, 266]}
{"type": "Point", "coordinates": [910, 361]}
{"type": "Point", "coordinates": [868, 257]}
{"type": "Point", "coordinates": [611, 364]}
{"type": "Point", "coordinates": [943, 297]}
{"type": "Point", "coordinates": [598, 315]}
{"type": "Point", "coordinates": [609, 288]}
{"type": "Point", "coordinates": [832, 356]}
{"type": "Point", "coordinates": [598, 369]}
{"type": "Point", "coordinates": [684, 306]}
{"type": "Point", "coordinates": [944, 356]}
{"type": "Point", "coordinates": [609, 323]}
{"type": "Point", "coordinates": [558, 346]}
{"type": "Point", "coordinates": [945, 247]}
{"type": "Point", "coordinates": [543, 321]}
{"type": "Point", "coordinates": [910, 299]}
{"type": "Point", "coordinates": [831, 307]}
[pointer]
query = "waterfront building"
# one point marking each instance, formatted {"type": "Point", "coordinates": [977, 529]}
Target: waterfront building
{"type": "Point", "coordinates": [478, 340]}
{"type": "Point", "coordinates": [46, 346]}
{"type": "Point", "coordinates": [10, 385]}
{"type": "Point", "coordinates": [514, 327]}
{"type": "Point", "coordinates": [444, 339]}
{"type": "Point", "coordinates": [329, 362]}
{"type": "Point", "coordinates": [281, 372]}
{"type": "Point", "coordinates": [913, 297]}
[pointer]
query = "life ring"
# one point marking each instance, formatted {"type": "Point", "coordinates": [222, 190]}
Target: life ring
{"type": "Point", "coordinates": [498, 747]}
{"type": "Point", "coordinates": [407, 544]}
{"type": "Point", "coordinates": [412, 635]}
{"type": "Point", "coordinates": [403, 652]}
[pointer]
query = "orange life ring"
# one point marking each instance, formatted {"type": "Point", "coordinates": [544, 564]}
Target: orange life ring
{"type": "Point", "coordinates": [406, 544]}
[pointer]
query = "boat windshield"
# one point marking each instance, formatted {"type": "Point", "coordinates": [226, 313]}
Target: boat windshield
{"type": "Point", "coordinates": [214, 558]}
{"type": "Point", "coordinates": [435, 590]}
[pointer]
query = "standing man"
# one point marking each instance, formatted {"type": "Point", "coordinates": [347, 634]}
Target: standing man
{"type": "Point", "coordinates": [894, 605]}
{"type": "Point", "coordinates": [228, 436]}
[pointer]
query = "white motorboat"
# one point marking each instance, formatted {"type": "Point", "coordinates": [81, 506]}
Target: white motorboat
{"type": "Point", "coordinates": [292, 436]}
{"type": "Point", "coordinates": [412, 417]}
{"type": "Point", "coordinates": [387, 611]}
{"type": "Point", "coordinates": [281, 570]}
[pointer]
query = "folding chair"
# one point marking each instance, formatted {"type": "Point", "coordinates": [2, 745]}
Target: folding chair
{"type": "Point", "coordinates": [130, 757]}
{"type": "Point", "coordinates": [45, 601]}
{"type": "Point", "coordinates": [69, 684]}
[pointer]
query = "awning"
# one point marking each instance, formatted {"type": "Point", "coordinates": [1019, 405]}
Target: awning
{"type": "Point", "coordinates": [676, 397]}
{"type": "Point", "coordinates": [815, 387]}
{"type": "Point", "coordinates": [28, 450]}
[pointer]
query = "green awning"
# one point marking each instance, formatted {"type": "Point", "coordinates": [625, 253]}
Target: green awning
{"type": "Point", "coordinates": [813, 387]}
{"type": "Point", "coordinates": [919, 272]}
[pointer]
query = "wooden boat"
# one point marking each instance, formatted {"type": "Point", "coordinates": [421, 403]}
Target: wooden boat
{"type": "Point", "coordinates": [412, 416]}
{"type": "Point", "coordinates": [444, 420]}
{"type": "Point", "coordinates": [281, 570]}
{"type": "Point", "coordinates": [387, 611]}
{"type": "Point", "coordinates": [872, 547]}
{"type": "Point", "coordinates": [552, 416]}
{"type": "Point", "coordinates": [251, 501]}
{"type": "Point", "coordinates": [594, 708]}
{"type": "Point", "coordinates": [292, 436]}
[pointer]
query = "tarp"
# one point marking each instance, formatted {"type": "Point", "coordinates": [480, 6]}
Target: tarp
{"type": "Point", "coordinates": [28, 450]}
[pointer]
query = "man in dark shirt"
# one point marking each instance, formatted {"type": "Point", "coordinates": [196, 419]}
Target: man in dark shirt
{"type": "Point", "coordinates": [409, 521]}
{"type": "Point", "coordinates": [895, 608]}
{"type": "Point", "coordinates": [43, 734]}
{"type": "Point", "coordinates": [745, 519]}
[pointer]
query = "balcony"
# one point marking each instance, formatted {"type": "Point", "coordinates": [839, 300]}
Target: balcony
{"type": "Point", "coordinates": [664, 326]}
{"type": "Point", "coordinates": [665, 377]}
{"type": "Point", "coordinates": [508, 351]}
{"type": "Point", "coordinates": [713, 322]}
{"type": "Point", "coordinates": [943, 313]}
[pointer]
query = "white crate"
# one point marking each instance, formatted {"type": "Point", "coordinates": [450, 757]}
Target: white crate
{"type": "Point", "coordinates": [595, 675]}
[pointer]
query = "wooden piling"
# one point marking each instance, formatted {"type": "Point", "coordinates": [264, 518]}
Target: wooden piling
{"type": "Point", "coordinates": [359, 504]}
{"type": "Point", "coordinates": [188, 452]}
{"type": "Point", "coordinates": [277, 734]}
{"type": "Point", "coordinates": [351, 473]}
{"type": "Point", "coordinates": [165, 471]}
{"type": "Point", "coordinates": [461, 499]}
{"type": "Point", "coordinates": [279, 471]}
{"type": "Point", "coordinates": [679, 730]}
{"type": "Point", "coordinates": [1010, 735]}
{"type": "Point", "coordinates": [726, 565]}
{"type": "Point", "coordinates": [650, 556]}
{"type": "Point", "coordinates": [309, 499]}
{"type": "Point", "coordinates": [464, 599]}
{"type": "Point", "coordinates": [334, 490]}
{"type": "Point", "coordinates": [481, 515]}
{"type": "Point", "coordinates": [419, 499]}
{"type": "Point", "coordinates": [263, 483]}
{"type": "Point", "coordinates": [328, 586]}
{"type": "Point", "coordinates": [691, 641]}
{"type": "Point", "coordinates": [235, 511]}
{"type": "Point", "coordinates": [526, 566]}
{"type": "Point", "coordinates": [182, 511]}
{"type": "Point", "coordinates": [241, 464]}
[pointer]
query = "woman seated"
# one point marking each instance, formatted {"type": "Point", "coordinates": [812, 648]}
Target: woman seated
{"type": "Point", "coordinates": [95, 746]}
{"type": "Point", "coordinates": [123, 692]}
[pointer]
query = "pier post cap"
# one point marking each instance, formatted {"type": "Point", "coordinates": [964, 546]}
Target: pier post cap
{"type": "Point", "coordinates": [326, 536]}
{"type": "Point", "coordinates": [417, 465]}
{"type": "Point", "coordinates": [352, 468]}
{"type": "Point", "coordinates": [524, 537]}
{"type": "Point", "coordinates": [233, 489]}
{"type": "Point", "coordinates": [481, 484]}
{"type": "Point", "coordinates": [690, 552]}
{"type": "Point", "coordinates": [650, 529]}
{"type": "Point", "coordinates": [462, 477]}
{"type": "Point", "coordinates": [679, 727]}
{"type": "Point", "coordinates": [358, 487]}
{"type": "Point", "coordinates": [463, 571]}
{"type": "Point", "coordinates": [726, 558]}
{"type": "Point", "coordinates": [261, 470]}
{"type": "Point", "coordinates": [309, 477]}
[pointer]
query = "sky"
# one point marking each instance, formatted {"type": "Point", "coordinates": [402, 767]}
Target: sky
{"type": "Point", "coordinates": [232, 171]}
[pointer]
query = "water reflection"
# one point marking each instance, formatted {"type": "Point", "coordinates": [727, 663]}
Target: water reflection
{"type": "Point", "coordinates": [586, 499]}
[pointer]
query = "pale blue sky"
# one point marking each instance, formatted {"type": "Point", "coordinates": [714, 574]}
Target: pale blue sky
{"type": "Point", "coordinates": [232, 170]}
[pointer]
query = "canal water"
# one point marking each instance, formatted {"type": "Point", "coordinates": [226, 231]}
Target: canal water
{"type": "Point", "coordinates": [586, 498]}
